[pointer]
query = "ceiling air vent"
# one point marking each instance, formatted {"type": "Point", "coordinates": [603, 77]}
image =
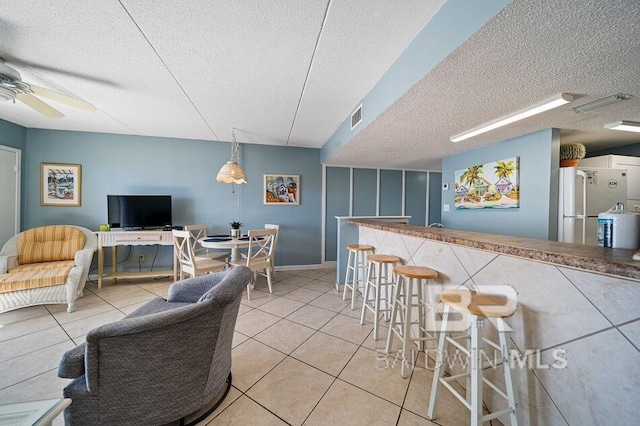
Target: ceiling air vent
{"type": "Point", "coordinates": [356, 117]}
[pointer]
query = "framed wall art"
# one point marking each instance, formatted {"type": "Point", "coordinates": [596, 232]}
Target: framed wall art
{"type": "Point", "coordinates": [282, 190]}
{"type": "Point", "coordinates": [60, 184]}
{"type": "Point", "coordinates": [492, 185]}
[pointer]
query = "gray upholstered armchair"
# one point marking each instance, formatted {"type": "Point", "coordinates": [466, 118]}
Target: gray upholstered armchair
{"type": "Point", "coordinates": [163, 362]}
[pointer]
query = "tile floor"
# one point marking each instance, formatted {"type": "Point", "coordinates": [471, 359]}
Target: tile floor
{"type": "Point", "coordinates": [300, 356]}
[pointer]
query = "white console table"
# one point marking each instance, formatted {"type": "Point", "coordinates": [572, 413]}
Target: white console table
{"type": "Point", "coordinates": [114, 239]}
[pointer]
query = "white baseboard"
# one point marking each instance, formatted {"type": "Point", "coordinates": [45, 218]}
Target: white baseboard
{"type": "Point", "coordinates": [325, 265]}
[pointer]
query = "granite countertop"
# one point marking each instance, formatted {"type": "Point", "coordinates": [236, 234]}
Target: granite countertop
{"type": "Point", "coordinates": [616, 262]}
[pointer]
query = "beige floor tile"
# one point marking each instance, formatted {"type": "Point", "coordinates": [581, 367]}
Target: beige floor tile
{"type": "Point", "coordinates": [83, 326]}
{"type": "Point", "coordinates": [321, 286]}
{"type": "Point", "coordinates": [331, 301]}
{"type": "Point", "coordinates": [24, 314]}
{"type": "Point", "coordinates": [329, 277]}
{"type": "Point", "coordinates": [258, 298]}
{"type": "Point", "coordinates": [381, 343]}
{"type": "Point", "coordinates": [27, 326]}
{"type": "Point", "coordinates": [160, 288]}
{"type": "Point", "coordinates": [254, 322]}
{"type": "Point", "coordinates": [131, 298]}
{"type": "Point", "coordinates": [244, 411]}
{"type": "Point", "coordinates": [450, 410]}
{"type": "Point", "coordinates": [312, 273]}
{"type": "Point", "coordinates": [31, 342]}
{"type": "Point", "coordinates": [302, 294]}
{"type": "Point", "coordinates": [251, 360]}
{"type": "Point", "coordinates": [296, 280]}
{"type": "Point", "coordinates": [231, 397]}
{"type": "Point", "coordinates": [312, 316]}
{"type": "Point", "coordinates": [87, 299]}
{"type": "Point", "coordinates": [368, 370]}
{"type": "Point", "coordinates": [32, 364]}
{"type": "Point", "coordinates": [346, 404]}
{"type": "Point", "coordinates": [88, 310]}
{"type": "Point", "coordinates": [243, 309]}
{"type": "Point", "coordinates": [407, 418]}
{"type": "Point", "coordinates": [353, 313]}
{"type": "Point", "coordinates": [284, 335]}
{"type": "Point", "coordinates": [46, 385]}
{"type": "Point", "coordinates": [281, 306]}
{"type": "Point", "coordinates": [238, 338]}
{"type": "Point", "coordinates": [285, 273]}
{"type": "Point", "coordinates": [346, 328]}
{"type": "Point", "coordinates": [130, 308]}
{"type": "Point", "coordinates": [329, 354]}
{"type": "Point", "coordinates": [291, 390]}
{"type": "Point", "coordinates": [292, 384]}
{"type": "Point", "coordinates": [281, 289]}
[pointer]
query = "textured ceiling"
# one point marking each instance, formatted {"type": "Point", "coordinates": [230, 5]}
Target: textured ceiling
{"type": "Point", "coordinates": [282, 72]}
{"type": "Point", "coordinates": [529, 52]}
{"type": "Point", "coordinates": [290, 72]}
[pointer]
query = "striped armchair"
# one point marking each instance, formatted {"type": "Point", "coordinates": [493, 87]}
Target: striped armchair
{"type": "Point", "coordinates": [45, 265]}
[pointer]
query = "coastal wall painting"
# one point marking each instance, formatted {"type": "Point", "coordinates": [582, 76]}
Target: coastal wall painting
{"type": "Point", "coordinates": [60, 184]}
{"type": "Point", "coordinates": [282, 190]}
{"type": "Point", "coordinates": [491, 185]}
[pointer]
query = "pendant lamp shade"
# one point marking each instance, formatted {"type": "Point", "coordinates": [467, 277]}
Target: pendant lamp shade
{"type": "Point", "coordinates": [232, 172]}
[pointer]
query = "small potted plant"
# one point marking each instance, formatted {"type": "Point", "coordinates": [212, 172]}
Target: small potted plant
{"type": "Point", "coordinates": [235, 229]}
{"type": "Point", "coordinates": [571, 154]}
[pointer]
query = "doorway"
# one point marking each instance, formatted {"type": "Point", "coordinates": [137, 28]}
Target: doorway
{"type": "Point", "coordinates": [9, 193]}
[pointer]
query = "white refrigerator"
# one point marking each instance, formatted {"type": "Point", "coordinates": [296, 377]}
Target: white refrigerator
{"type": "Point", "coordinates": [584, 192]}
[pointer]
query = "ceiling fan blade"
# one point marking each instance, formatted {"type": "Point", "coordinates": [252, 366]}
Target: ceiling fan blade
{"type": "Point", "coordinates": [35, 103]}
{"type": "Point", "coordinates": [62, 98]}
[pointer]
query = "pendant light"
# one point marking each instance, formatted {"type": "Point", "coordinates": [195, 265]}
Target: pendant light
{"type": "Point", "coordinates": [232, 172]}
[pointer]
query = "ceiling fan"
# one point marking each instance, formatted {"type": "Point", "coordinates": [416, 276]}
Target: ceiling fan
{"type": "Point", "coordinates": [12, 87]}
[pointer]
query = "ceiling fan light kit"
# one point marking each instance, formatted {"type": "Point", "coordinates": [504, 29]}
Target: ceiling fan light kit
{"type": "Point", "coordinates": [12, 87]}
{"type": "Point", "coordinates": [537, 108]}
{"type": "Point", "coordinates": [624, 125]}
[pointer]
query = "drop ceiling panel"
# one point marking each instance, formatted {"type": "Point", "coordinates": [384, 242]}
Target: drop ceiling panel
{"type": "Point", "coordinates": [95, 48]}
{"type": "Point", "coordinates": [357, 46]}
{"type": "Point", "coordinates": [242, 63]}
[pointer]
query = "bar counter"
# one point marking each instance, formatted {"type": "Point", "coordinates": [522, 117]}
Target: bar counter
{"type": "Point", "coordinates": [616, 262]}
{"type": "Point", "coordinates": [577, 323]}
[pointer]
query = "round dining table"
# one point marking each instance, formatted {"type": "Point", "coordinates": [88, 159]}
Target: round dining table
{"type": "Point", "coordinates": [225, 242]}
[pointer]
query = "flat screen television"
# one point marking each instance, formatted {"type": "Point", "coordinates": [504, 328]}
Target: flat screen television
{"type": "Point", "coordinates": [139, 211]}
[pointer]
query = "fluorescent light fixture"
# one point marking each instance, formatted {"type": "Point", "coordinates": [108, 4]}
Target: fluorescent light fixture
{"type": "Point", "coordinates": [599, 103]}
{"type": "Point", "coordinates": [626, 126]}
{"type": "Point", "coordinates": [542, 106]}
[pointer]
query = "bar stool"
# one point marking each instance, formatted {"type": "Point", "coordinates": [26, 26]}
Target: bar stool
{"type": "Point", "coordinates": [408, 295]}
{"type": "Point", "coordinates": [380, 281]}
{"type": "Point", "coordinates": [356, 263]}
{"type": "Point", "coordinates": [477, 307]}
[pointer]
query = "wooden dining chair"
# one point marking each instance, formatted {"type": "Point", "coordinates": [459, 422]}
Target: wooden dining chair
{"type": "Point", "coordinates": [189, 263]}
{"type": "Point", "coordinates": [275, 242]}
{"type": "Point", "coordinates": [198, 232]}
{"type": "Point", "coordinates": [259, 254]}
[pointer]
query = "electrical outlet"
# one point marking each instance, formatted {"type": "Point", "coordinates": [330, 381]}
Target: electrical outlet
{"type": "Point", "coordinates": [141, 258]}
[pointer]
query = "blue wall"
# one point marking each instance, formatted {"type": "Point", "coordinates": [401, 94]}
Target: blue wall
{"type": "Point", "coordinates": [535, 217]}
{"type": "Point", "coordinates": [12, 135]}
{"type": "Point", "coordinates": [185, 169]}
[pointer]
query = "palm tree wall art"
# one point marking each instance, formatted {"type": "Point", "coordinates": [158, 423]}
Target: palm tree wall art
{"type": "Point", "coordinates": [492, 185]}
